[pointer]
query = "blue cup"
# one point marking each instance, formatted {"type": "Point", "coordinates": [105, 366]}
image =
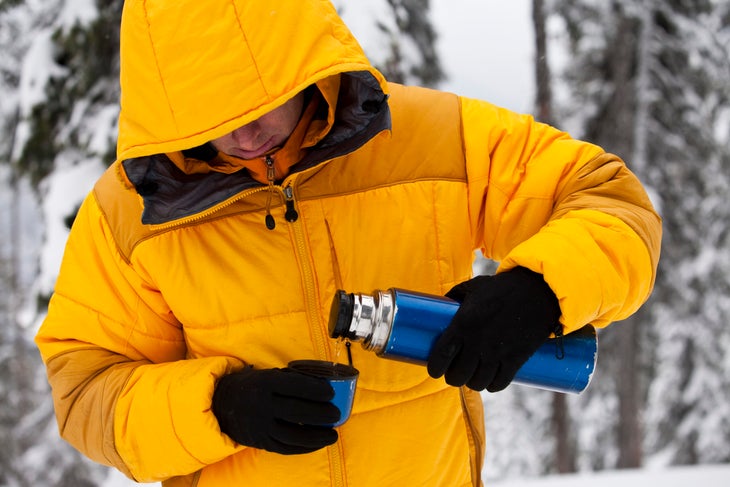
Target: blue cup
{"type": "Point", "coordinates": [342, 378]}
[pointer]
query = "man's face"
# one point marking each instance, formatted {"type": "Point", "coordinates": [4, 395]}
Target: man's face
{"type": "Point", "coordinates": [255, 139]}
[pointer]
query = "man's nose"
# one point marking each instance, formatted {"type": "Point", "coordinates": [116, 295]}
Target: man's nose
{"type": "Point", "coordinates": [244, 136]}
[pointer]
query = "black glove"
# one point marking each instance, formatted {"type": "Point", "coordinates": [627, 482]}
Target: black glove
{"type": "Point", "coordinates": [502, 321]}
{"type": "Point", "coordinates": [276, 410]}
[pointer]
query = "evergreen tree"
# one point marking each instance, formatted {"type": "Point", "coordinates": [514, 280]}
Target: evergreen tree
{"type": "Point", "coordinates": [59, 83]}
{"type": "Point", "coordinates": [564, 451]}
{"type": "Point", "coordinates": [651, 80]}
{"type": "Point", "coordinates": [688, 408]}
{"type": "Point", "coordinates": [403, 46]}
{"type": "Point", "coordinates": [79, 79]}
{"type": "Point", "coordinates": [410, 29]}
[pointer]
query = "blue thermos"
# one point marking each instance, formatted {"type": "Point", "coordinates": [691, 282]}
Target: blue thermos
{"type": "Point", "coordinates": [404, 325]}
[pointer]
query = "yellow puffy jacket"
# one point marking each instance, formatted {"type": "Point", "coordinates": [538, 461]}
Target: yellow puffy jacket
{"type": "Point", "coordinates": [171, 279]}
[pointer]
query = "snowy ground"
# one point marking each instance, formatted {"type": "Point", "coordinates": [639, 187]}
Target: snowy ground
{"type": "Point", "coordinates": [699, 476]}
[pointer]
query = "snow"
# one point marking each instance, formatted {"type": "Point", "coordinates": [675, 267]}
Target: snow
{"type": "Point", "coordinates": [116, 479]}
{"type": "Point", "coordinates": [78, 11]}
{"type": "Point", "coordinates": [705, 476]}
{"type": "Point", "coordinates": [75, 180]}
{"type": "Point", "coordinates": [38, 68]}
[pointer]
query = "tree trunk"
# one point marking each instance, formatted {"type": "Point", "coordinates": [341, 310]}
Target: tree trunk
{"type": "Point", "coordinates": [622, 131]}
{"type": "Point", "coordinates": [628, 387]}
{"type": "Point", "coordinates": [543, 98]}
{"type": "Point", "coordinates": [560, 417]}
{"type": "Point", "coordinates": [564, 447]}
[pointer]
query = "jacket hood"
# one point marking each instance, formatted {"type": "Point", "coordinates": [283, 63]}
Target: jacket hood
{"type": "Point", "coordinates": [193, 71]}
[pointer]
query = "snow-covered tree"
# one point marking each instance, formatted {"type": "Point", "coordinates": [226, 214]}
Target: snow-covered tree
{"type": "Point", "coordinates": [649, 80]}
{"type": "Point", "coordinates": [57, 112]}
{"type": "Point", "coordinates": [399, 37]}
{"type": "Point", "coordinates": [688, 409]}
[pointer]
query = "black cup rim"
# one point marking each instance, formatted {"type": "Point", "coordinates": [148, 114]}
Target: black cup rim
{"type": "Point", "coordinates": [342, 371]}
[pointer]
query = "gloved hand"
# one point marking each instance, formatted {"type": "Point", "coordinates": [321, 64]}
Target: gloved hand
{"type": "Point", "coordinates": [502, 321]}
{"type": "Point", "coordinates": [276, 410]}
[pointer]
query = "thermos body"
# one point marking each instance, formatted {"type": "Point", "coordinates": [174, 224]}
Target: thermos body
{"type": "Point", "coordinates": [418, 320]}
{"type": "Point", "coordinates": [404, 325]}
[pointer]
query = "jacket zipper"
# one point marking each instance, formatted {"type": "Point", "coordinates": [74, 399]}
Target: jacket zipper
{"type": "Point", "coordinates": [473, 438]}
{"type": "Point", "coordinates": [291, 214]}
{"type": "Point", "coordinates": [270, 177]}
{"type": "Point", "coordinates": [319, 335]}
{"type": "Point", "coordinates": [309, 284]}
{"type": "Point", "coordinates": [203, 214]}
{"type": "Point", "coordinates": [270, 187]}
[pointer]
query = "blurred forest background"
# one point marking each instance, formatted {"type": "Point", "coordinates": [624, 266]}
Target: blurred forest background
{"type": "Point", "coordinates": [648, 80]}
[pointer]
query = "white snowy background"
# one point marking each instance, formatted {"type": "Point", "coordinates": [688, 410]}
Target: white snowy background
{"type": "Point", "coordinates": [486, 51]}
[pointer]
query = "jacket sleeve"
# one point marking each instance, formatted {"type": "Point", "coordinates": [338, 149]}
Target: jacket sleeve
{"type": "Point", "coordinates": [115, 355]}
{"type": "Point", "coordinates": [563, 208]}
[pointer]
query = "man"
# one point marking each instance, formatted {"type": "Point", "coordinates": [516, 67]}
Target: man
{"type": "Point", "coordinates": [263, 164]}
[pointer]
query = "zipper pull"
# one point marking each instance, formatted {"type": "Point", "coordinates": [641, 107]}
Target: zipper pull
{"type": "Point", "coordinates": [291, 214]}
{"type": "Point", "coordinates": [559, 344]}
{"type": "Point", "coordinates": [270, 177]}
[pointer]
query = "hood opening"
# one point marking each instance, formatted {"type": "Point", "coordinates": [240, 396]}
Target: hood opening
{"type": "Point", "coordinates": [173, 188]}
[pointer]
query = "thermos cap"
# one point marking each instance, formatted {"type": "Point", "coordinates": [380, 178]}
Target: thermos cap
{"type": "Point", "coordinates": [341, 314]}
